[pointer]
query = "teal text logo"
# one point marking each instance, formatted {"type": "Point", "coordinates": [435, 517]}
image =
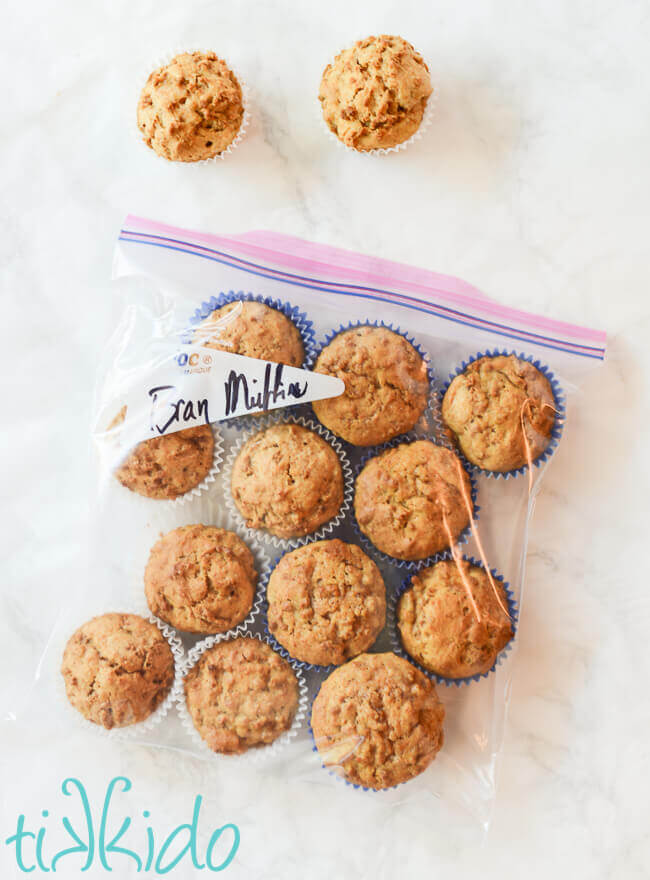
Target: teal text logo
{"type": "Point", "coordinates": [111, 840]}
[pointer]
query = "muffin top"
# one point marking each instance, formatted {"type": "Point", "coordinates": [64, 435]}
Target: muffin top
{"type": "Point", "coordinates": [438, 621]}
{"type": "Point", "coordinates": [413, 499]}
{"type": "Point", "coordinates": [379, 719]}
{"type": "Point", "coordinates": [200, 579]}
{"type": "Point", "coordinates": [252, 329]}
{"type": "Point", "coordinates": [386, 385]}
{"type": "Point", "coordinates": [327, 602]}
{"type": "Point", "coordinates": [241, 694]}
{"type": "Point", "coordinates": [191, 108]}
{"type": "Point", "coordinates": [169, 465]}
{"type": "Point", "coordinates": [287, 480]}
{"type": "Point", "coordinates": [374, 94]}
{"type": "Point", "coordinates": [496, 408]}
{"type": "Point", "coordinates": [117, 668]}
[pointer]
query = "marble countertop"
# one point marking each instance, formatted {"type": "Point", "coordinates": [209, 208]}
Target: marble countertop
{"type": "Point", "coordinates": [533, 183]}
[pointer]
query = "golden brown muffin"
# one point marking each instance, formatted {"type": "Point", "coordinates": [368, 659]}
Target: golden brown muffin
{"type": "Point", "coordinates": [191, 108]}
{"type": "Point", "coordinates": [379, 719]}
{"type": "Point", "coordinates": [374, 95]}
{"type": "Point", "coordinates": [252, 329]}
{"type": "Point", "coordinates": [438, 622]}
{"type": "Point", "coordinates": [200, 579]}
{"type": "Point", "coordinates": [117, 668]}
{"type": "Point", "coordinates": [409, 499]}
{"type": "Point", "coordinates": [168, 466]}
{"type": "Point", "coordinates": [488, 406]}
{"type": "Point", "coordinates": [241, 694]}
{"type": "Point", "coordinates": [386, 385]}
{"type": "Point", "coordinates": [327, 602]}
{"type": "Point", "coordinates": [287, 480]}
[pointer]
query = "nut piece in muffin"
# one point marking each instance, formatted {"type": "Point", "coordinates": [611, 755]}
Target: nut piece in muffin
{"type": "Point", "coordinates": [501, 411]}
{"type": "Point", "coordinates": [191, 108]}
{"type": "Point", "coordinates": [200, 579]}
{"type": "Point", "coordinates": [327, 602]}
{"type": "Point", "coordinates": [241, 694]}
{"type": "Point", "coordinates": [373, 96]}
{"type": "Point", "coordinates": [117, 668]}
{"type": "Point", "coordinates": [170, 465]}
{"type": "Point", "coordinates": [252, 329]}
{"type": "Point", "coordinates": [413, 500]}
{"type": "Point", "coordinates": [287, 480]}
{"type": "Point", "coordinates": [386, 385]}
{"type": "Point", "coordinates": [379, 719]}
{"type": "Point", "coordinates": [454, 619]}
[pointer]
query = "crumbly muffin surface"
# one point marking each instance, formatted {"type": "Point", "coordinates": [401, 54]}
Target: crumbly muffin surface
{"type": "Point", "coordinates": [117, 668]}
{"type": "Point", "coordinates": [200, 579]}
{"type": "Point", "coordinates": [241, 694]}
{"type": "Point", "coordinates": [191, 108]}
{"type": "Point", "coordinates": [379, 719]}
{"type": "Point", "coordinates": [438, 622]}
{"type": "Point", "coordinates": [496, 408]}
{"type": "Point", "coordinates": [327, 602]}
{"type": "Point", "coordinates": [386, 385]}
{"type": "Point", "coordinates": [252, 329]}
{"type": "Point", "coordinates": [412, 500]}
{"type": "Point", "coordinates": [374, 94]}
{"type": "Point", "coordinates": [170, 465]}
{"type": "Point", "coordinates": [287, 480]}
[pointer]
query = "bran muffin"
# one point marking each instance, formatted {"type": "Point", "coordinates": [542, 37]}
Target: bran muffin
{"type": "Point", "coordinates": [386, 385]}
{"type": "Point", "coordinates": [327, 602]}
{"type": "Point", "coordinates": [374, 94]}
{"type": "Point", "coordinates": [168, 466]}
{"type": "Point", "coordinates": [438, 623]}
{"type": "Point", "coordinates": [252, 329]}
{"type": "Point", "coordinates": [241, 694]}
{"type": "Point", "coordinates": [288, 480]}
{"type": "Point", "coordinates": [117, 668]}
{"type": "Point", "coordinates": [191, 108]}
{"type": "Point", "coordinates": [410, 498]}
{"type": "Point", "coordinates": [200, 579]}
{"type": "Point", "coordinates": [486, 405]}
{"type": "Point", "coordinates": [379, 719]}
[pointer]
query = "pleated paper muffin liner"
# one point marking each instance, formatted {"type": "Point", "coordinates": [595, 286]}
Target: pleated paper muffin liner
{"type": "Point", "coordinates": [262, 567]}
{"type": "Point", "coordinates": [293, 313]}
{"type": "Point", "coordinates": [141, 727]}
{"type": "Point", "coordinates": [257, 754]}
{"type": "Point", "coordinates": [556, 432]}
{"type": "Point", "coordinates": [203, 486]}
{"type": "Point", "coordinates": [427, 119]}
{"type": "Point", "coordinates": [398, 648]}
{"type": "Point", "coordinates": [429, 410]}
{"type": "Point", "coordinates": [412, 565]}
{"type": "Point", "coordinates": [323, 531]}
{"type": "Point", "coordinates": [163, 61]}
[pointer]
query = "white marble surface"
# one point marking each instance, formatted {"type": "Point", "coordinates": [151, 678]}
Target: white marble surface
{"type": "Point", "coordinates": [533, 183]}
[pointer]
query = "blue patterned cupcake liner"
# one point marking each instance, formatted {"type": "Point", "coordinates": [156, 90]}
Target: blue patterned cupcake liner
{"type": "Point", "coordinates": [412, 565]}
{"type": "Point", "coordinates": [556, 432]}
{"type": "Point", "coordinates": [324, 531]}
{"type": "Point", "coordinates": [293, 313]}
{"type": "Point", "coordinates": [398, 648]}
{"type": "Point", "coordinates": [430, 407]}
{"type": "Point", "coordinates": [254, 755]}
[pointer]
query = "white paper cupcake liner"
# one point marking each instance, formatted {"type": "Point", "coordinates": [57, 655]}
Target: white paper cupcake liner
{"type": "Point", "coordinates": [324, 530]}
{"type": "Point", "coordinates": [262, 567]}
{"type": "Point", "coordinates": [162, 61]}
{"type": "Point", "coordinates": [132, 730]}
{"type": "Point", "coordinates": [427, 118]}
{"type": "Point", "coordinates": [396, 641]}
{"type": "Point", "coordinates": [254, 755]}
